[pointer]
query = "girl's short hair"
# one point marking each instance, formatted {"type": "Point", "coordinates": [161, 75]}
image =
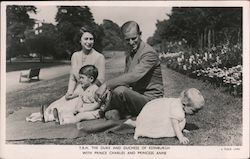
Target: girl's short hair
{"type": "Point", "coordinates": [193, 96]}
{"type": "Point", "coordinates": [90, 71]}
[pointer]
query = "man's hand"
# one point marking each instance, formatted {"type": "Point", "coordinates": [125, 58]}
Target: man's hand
{"type": "Point", "coordinates": [100, 92]}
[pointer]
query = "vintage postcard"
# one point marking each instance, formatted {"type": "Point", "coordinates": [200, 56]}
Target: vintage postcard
{"type": "Point", "coordinates": [125, 79]}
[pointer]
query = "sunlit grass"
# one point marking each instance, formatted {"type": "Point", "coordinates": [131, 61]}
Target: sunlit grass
{"type": "Point", "coordinates": [219, 122]}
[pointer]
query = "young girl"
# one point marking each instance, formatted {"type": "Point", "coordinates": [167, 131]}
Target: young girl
{"type": "Point", "coordinates": [84, 107]}
{"type": "Point", "coordinates": [165, 117]}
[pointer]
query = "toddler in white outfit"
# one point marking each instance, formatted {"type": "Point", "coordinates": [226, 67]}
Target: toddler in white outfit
{"type": "Point", "coordinates": [165, 117]}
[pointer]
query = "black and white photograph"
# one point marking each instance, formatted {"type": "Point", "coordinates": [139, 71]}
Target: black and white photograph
{"type": "Point", "coordinates": [125, 79]}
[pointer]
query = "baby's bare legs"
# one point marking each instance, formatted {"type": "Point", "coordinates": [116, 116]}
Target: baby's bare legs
{"type": "Point", "coordinates": [79, 117]}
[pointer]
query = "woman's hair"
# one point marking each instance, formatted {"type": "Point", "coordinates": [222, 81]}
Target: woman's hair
{"type": "Point", "coordinates": [193, 96]}
{"type": "Point", "coordinates": [85, 29]}
{"type": "Point", "coordinates": [90, 71]}
{"type": "Point", "coordinates": [78, 35]}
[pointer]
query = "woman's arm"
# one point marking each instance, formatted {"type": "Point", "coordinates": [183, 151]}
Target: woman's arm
{"type": "Point", "coordinates": [180, 136]}
{"type": "Point", "coordinates": [72, 78]}
{"type": "Point", "coordinates": [71, 96]}
{"type": "Point", "coordinates": [100, 64]}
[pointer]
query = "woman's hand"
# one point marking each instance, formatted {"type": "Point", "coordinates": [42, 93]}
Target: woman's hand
{"type": "Point", "coordinates": [183, 140]}
{"type": "Point", "coordinates": [70, 96]}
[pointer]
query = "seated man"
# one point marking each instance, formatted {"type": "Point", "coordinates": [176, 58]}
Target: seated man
{"type": "Point", "coordinates": [141, 82]}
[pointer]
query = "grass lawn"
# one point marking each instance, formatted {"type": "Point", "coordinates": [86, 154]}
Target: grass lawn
{"type": "Point", "coordinates": [219, 122]}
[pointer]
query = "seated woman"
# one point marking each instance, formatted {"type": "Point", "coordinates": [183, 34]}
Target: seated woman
{"type": "Point", "coordinates": [86, 56]}
{"type": "Point", "coordinates": [165, 117]}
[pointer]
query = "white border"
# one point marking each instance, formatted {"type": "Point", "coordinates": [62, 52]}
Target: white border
{"type": "Point", "coordinates": [72, 151]}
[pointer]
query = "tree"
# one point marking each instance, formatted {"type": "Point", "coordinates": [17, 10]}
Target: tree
{"type": "Point", "coordinates": [201, 27]}
{"type": "Point", "coordinates": [18, 21]}
{"type": "Point", "coordinates": [112, 39]}
{"type": "Point", "coordinates": [42, 40]}
{"type": "Point", "coordinates": [70, 19]}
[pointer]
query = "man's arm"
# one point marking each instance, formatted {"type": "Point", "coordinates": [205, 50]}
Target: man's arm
{"type": "Point", "coordinates": [147, 61]}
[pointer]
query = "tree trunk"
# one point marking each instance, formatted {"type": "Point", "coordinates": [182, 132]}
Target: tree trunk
{"type": "Point", "coordinates": [162, 47]}
{"type": "Point", "coordinates": [239, 36]}
{"type": "Point", "coordinates": [205, 38]}
{"type": "Point", "coordinates": [201, 39]}
{"type": "Point", "coordinates": [41, 57]}
{"type": "Point", "coordinates": [209, 38]}
{"type": "Point", "coordinates": [213, 38]}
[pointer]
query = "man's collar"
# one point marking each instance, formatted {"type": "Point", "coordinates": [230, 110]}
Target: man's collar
{"type": "Point", "coordinates": [133, 52]}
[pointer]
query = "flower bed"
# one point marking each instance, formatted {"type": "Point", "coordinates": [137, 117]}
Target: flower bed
{"type": "Point", "coordinates": [221, 66]}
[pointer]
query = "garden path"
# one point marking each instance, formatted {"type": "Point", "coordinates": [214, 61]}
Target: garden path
{"type": "Point", "coordinates": [12, 78]}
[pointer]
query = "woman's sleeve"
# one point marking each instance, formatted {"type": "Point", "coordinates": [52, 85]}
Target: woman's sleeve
{"type": "Point", "coordinates": [101, 68]}
{"type": "Point", "coordinates": [72, 78]}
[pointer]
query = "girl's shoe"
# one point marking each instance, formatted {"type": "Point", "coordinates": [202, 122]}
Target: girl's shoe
{"type": "Point", "coordinates": [56, 115]}
{"type": "Point", "coordinates": [42, 111]}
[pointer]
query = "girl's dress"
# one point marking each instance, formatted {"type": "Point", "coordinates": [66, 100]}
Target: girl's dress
{"type": "Point", "coordinates": [154, 120]}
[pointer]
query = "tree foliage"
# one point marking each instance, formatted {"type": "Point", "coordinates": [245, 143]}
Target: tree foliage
{"type": "Point", "coordinates": [201, 26]}
{"type": "Point", "coordinates": [70, 19]}
{"type": "Point", "coordinates": [18, 21]}
{"type": "Point", "coordinates": [60, 40]}
{"type": "Point", "coordinates": [43, 40]}
{"type": "Point", "coordinates": [112, 39]}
